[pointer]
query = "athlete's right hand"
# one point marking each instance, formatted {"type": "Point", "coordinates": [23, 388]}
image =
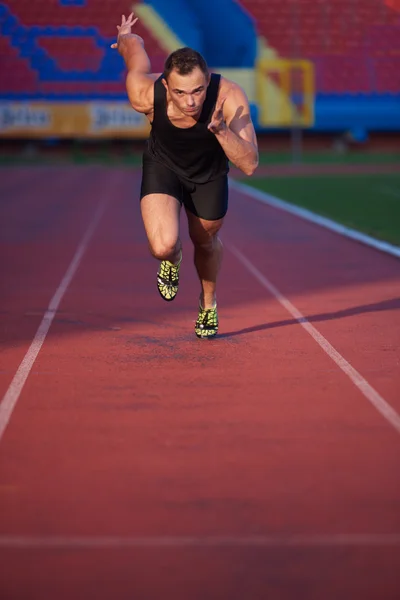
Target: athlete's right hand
{"type": "Point", "coordinates": [125, 27]}
{"type": "Point", "coordinates": [217, 123]}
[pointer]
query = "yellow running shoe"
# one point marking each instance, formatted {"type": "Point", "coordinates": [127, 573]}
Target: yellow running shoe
{"type": "Point", "coordinates": [168, 279]}
{"type": "Point", "coordinates": [207, 323]}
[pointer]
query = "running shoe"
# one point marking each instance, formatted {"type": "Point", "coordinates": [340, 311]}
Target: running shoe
{"type": "Point", "coordinates": [207, 323]}
{"type": "Point", "coordinates": [168, 279]}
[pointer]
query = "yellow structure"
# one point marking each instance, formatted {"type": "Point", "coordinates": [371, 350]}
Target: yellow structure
{"type": "Point", "coordinates": [158, 27]}
{"type": "Point", "coordinates": [285, 90]}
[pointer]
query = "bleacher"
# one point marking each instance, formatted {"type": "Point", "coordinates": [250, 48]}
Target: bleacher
{"type": "Point", "coordinates": [355, 44]}
{"type": "Point", "coordinates": [16, 75]}
{"type": "Point", "coordinates": [61, 49]}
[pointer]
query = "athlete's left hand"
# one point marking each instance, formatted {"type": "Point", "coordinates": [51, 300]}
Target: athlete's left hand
{"type": "Point", "coordinates": [125, 27]}
{"type": "Point", "coordinates": [217, 123]}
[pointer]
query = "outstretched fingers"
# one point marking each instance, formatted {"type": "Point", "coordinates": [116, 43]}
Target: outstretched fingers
{"type": "Point", "coordinates": [131, 20]}
{"type": "Point", "coordinates": [125, 27]}
{"type": "Point", "coordinates": [217, 123]}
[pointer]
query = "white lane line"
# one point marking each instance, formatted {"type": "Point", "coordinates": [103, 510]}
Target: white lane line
{"type": "Point", "coordinates": [229, 541]}
{"type": "Point", "coordinates": [10, 398]}
{"type": "Point", "coordinates": [312, 217]}
{"type": "Point", "coordinates": [365, 388]}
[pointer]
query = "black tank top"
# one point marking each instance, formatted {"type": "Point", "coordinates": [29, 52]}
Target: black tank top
{"type": "Point", "coordinates": [193, 153]}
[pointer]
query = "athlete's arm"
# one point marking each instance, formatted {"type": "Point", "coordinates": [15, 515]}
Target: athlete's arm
{"type": "Point", "coordinates": [232, 125]}
{"type": "Point", "coordinates": [139, 80]}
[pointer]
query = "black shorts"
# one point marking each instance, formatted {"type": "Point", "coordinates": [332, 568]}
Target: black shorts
{"type": "Point", "coordinates": [208, 201]}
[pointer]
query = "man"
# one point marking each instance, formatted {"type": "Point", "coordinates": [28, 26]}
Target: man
{"type": "Point", "coordinates": [200, 122]}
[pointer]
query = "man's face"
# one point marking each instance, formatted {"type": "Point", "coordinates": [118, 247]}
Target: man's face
{"type": "Point", "coordinates": [188, 92]}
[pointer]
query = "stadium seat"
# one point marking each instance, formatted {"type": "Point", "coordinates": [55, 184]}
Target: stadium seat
{"type": "Point", "coordinates": [320, 30]}
{"type": "Point", "coordinates": [355, 45]}
{"type": "Point", "coordinates": [55, 41]}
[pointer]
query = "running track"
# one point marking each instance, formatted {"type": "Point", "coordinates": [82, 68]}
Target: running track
{"type": "Point", "coordinates": [141, 463]}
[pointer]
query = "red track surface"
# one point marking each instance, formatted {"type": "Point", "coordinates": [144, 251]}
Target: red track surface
{"type": "Point", "coordinates": [155, 465]}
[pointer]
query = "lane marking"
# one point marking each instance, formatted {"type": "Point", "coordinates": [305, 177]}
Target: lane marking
{"type": "Point", "coordinates": [219, 541]}
{"type": "Point", "coordinates": [11, 396]}
{"type": "Point", "coordinates": [312, 217]}
{"type": "Point", "coordinates": [365, 388]}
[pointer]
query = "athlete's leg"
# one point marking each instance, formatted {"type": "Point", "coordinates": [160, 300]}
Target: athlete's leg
{"type": "Point", "coordinates": [206, 207]}
{"type": "Point", "coordinates": [160, 214]}
{"type": "Point", "coordinates": [160, 204]}
{"type": "Point", "coordinates": [208, 253]}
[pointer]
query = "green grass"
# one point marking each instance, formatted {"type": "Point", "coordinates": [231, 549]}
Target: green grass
{"type": "Point", "coordinates": [368, 203]}
{"type": "Point", "coordinates": [328, 157]}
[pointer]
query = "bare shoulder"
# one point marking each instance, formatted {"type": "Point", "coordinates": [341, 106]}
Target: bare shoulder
{"type": "Point", "coordinates": [228, 84]}
{"type": "Point", "coordinates": [235, 100]}
{"type": "Point", "coordinates": [140, 88]}
{"type": "Point", "coordinates": [236, 110]}
{"type": "Point", "coordinates": [233, 92]}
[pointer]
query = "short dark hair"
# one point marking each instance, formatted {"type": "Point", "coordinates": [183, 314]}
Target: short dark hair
{"type": "Point", "coordinates": [184, 61]}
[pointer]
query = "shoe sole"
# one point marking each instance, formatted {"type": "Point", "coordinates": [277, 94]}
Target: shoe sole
{"type": "Point", "coordinates": [164, 298]}
{"type": "Point", "coordinates": [177, 287]}
{"type": "Point", "coordinates": [207, 336]}
{"type": "Point", "coordinates": [162, 295]}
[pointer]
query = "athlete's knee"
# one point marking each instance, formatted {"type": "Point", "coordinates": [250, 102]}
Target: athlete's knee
{"type": "Point", "coordinates": [163, 248]}
{"type": "Point", "coordinates": [204, 234]}
{"type": "Point", "coordinates": [207, 244]}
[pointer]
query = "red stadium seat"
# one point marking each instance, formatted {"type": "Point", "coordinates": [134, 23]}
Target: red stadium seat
{"type": "Point", "coordinates": [78, 48]}
{"type": "Point", "coordinates": [102, 14]}
{"type": "Point", "coordinates": [16, 76]}
{"type": "Point", "coordinates": [344, 32]}
{"type": "Point", "coordinates": [72, 53]}
{"type": "Point", "coordinates": [349, 31]}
